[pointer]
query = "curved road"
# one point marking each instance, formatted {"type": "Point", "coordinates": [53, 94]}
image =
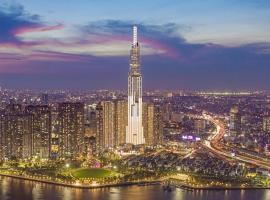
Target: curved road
{"type": "Point", "coordinates": [214, 145]}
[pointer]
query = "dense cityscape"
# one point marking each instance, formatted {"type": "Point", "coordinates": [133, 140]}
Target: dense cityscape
{"type": "Point", "coordinates": [87, 139]}
{"type": "Point", "coordinates": [56, 135]}
{"type": "Point", "coordinates": [139, 100]}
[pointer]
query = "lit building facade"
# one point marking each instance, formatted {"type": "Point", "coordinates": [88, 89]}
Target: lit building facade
{"type": "Point", "coordinates": [41, 130]}
{"type": "Point", "coordinates": [99, 129]}
{"type": "Point", "coordinates": [153, 124]}
{"type": "Point", "coordinates": [15, 133]}
{"type": "Point", "coordinates": [121, 121]}
{"type": "Point", "coordinates": [111, 124]}
{"type": "Point", "coordinates": [15, 129]}
{"type": "Point", "coordinates": [71, 129]}
{"type": "Point", "coordinates": [134, 130]}
{"type": "Point", "coordinates": [199, 125]}
{"type": "Point", "coordinates": [235, 121]}
{"type": "Point", "coordinates": [105, 125]}
{"type": "Point", "coordinates": [266, 124]}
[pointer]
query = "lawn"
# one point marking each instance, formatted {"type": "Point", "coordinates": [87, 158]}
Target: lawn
{"type": "Point", "coordinates": [92, 173]}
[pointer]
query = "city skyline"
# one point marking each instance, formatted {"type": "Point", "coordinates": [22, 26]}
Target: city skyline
{"type": "Point", "coordinates": [134, 99]}
{"type": "Point", "coordinates": [220, 45]}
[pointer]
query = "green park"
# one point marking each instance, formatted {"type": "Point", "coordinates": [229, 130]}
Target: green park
{"type": "Point", "coordinates": [95, 173]}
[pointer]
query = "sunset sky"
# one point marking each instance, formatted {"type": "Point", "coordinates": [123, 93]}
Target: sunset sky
{"type": "Point", "coordinates": [84, 44]}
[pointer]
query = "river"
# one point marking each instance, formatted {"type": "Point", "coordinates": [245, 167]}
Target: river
{"type": "Point", "coordinates": [16, 189]}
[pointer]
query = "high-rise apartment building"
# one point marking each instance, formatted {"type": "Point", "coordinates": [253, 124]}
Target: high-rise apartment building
{"type": "Point", "coordinates": [99, 129]}
{"type": "Point", "coordinates": [153, 124]}
{"type": "Point", "coordinates": [111, 119]}
{"type": "Point", "coordinates": [15, 133]}
{"type": "Point", "coordinates": [106, 125]}
{"type": "Point", "coordinates": [71, 129]}
{"type": "Point", "coordinates": [121, 121]}
{"type": "Point", "coordinates": [41, 131]}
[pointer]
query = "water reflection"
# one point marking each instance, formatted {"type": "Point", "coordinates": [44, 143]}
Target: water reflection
{"type": "Point", "coordinates": [15, 189]}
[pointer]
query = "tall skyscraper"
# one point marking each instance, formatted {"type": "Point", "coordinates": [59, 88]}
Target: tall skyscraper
{"type": "Point", "coordinates": [71, 129]}
{"type": "Point", "coordinates": [134, 132]}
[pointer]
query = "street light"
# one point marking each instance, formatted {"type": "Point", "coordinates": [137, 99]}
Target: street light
{"type": "Point", "coordinates": [67, 165]}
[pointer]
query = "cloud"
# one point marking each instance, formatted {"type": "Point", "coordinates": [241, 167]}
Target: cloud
{"type": "Point", "coordinates": [25, 35]}
{"type": "Point", "coordinates": [160, 38]}
{"type": "Point", "coordinates": [29, 38]}
{"type": "Point", "coordinates": [97, 54]}
{"type": "Point", "coordinates": [14, 21]}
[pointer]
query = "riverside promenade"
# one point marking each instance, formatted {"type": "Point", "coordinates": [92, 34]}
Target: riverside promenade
{"type": "Point", "coordinates": [183, 186]}
{"type": "Point", "coordinates": [81, 185]}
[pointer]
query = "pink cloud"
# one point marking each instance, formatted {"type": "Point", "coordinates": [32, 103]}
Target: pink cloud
{"type": "Point", "coordinates": [37, 28]}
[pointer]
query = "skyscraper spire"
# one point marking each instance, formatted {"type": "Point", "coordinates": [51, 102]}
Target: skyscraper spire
{"type": "Point", "coordinates": [135, 40]}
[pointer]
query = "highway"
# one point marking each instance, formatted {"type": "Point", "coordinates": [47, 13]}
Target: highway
{"type": "Point", "coordinates": [215, 146]}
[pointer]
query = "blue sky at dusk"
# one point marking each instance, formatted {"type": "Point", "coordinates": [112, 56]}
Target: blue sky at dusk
{"type": "Point", "coordinates": [84, 44]}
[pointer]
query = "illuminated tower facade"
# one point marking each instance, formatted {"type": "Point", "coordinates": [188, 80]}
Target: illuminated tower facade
{"type": "Point", "coordinates": [134, 132]}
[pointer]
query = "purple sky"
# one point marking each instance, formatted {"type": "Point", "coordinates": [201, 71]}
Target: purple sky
{"type": "Point", "coordinates": [46, 46]}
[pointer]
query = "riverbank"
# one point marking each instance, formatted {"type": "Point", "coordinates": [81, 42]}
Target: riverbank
{"type": "Point", "coordinates": [15, 189]}
{"type": "Point", "coordinates": [83, 186]}
{"type": "Point", "coordinates": [174, 183]}
{"type": "Point", "coordinates": [138, 183]}
{"type": "Point", "coordinates": [194, 188]}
